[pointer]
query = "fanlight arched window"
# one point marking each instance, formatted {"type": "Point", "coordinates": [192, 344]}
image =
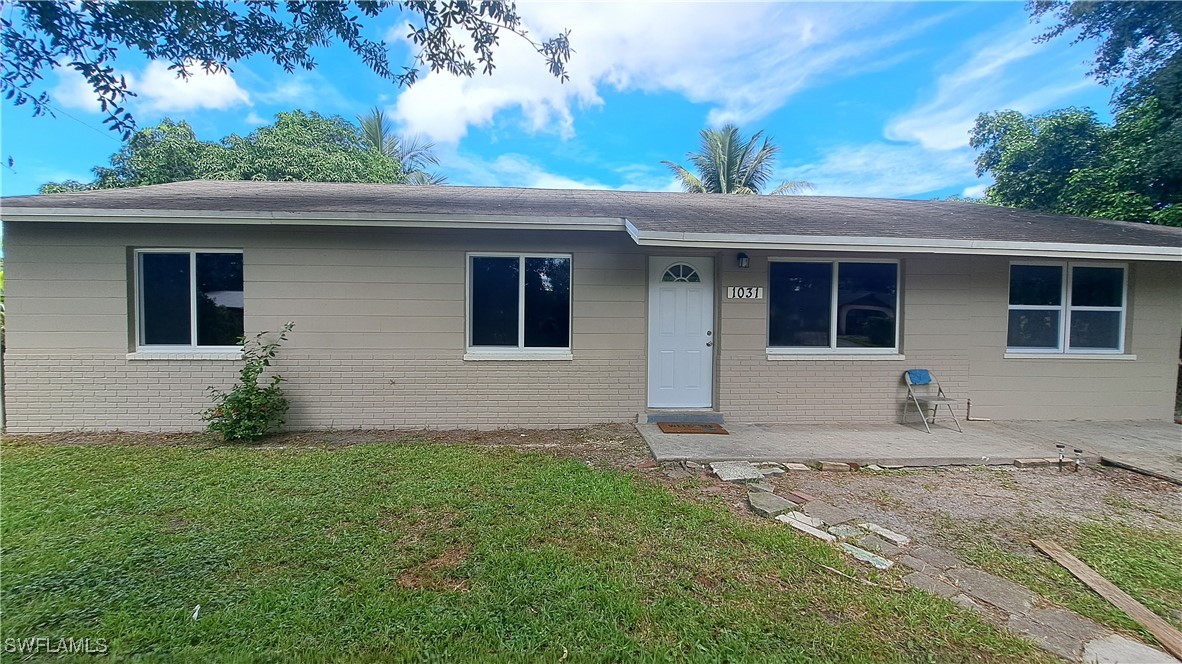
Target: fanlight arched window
{"type": "Point", "coordinates": [682, 272]}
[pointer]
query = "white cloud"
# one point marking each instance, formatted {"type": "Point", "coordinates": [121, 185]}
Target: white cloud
{"type": "Point", "coordinates": [1004, 70]}
{"type": "Point", "coordinates": [883, 170]}
{"type": "Point", "coordinates": [516, 170]}
{"type": "Point", "coordinates": [254, 119]}
{"type": "Point", "coordinates": [975, 191]}
{"type": "Point", "coordinates": [162, 90]}
{"type": "Point", "coordinates": [158, 90]}
{"type": "Point", "coordinates": [745, 60]}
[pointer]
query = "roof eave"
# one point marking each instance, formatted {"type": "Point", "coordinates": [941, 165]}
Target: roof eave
{"type": "Point", "coordinates": [329, 219]}
{"type": "Point", "coordinates": [901, 245]}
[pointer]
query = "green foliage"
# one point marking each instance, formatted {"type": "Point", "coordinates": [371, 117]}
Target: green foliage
{"type": "Point", "coordinates": [1068, 162]}
{"type": "Point", "coordinates": [415, 154]}
{"type": "Point", "coordinates": [247, 412]}
{"type": "Point", "coordinates": [297, 146]}
{"type": "Point", "coordinates": [449, 35]}
{"type": "Point", "coordinates": [730, 164]}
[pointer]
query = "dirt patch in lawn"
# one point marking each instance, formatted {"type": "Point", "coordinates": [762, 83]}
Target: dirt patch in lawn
{"type": "Point", "coordinates": [438, 574]}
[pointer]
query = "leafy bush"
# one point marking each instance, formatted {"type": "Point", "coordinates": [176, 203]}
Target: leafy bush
{"type": "Point", "coordinates": [247, 412]}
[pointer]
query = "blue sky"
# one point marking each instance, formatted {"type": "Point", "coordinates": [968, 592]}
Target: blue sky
{"type": "Point", "coordinates": [864, 99]}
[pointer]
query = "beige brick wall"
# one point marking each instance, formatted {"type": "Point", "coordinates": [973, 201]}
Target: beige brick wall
{"type": "Point", "coordinates": [379, 339]}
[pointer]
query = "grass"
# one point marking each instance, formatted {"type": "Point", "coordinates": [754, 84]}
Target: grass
{"type": "Point", "coordinates": [1145, 563]}
{"type": "Point", "coordinates": [394, 552]}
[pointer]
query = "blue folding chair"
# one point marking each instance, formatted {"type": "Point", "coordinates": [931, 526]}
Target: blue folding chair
{"type": "Point", "coordinates": [924, 391]}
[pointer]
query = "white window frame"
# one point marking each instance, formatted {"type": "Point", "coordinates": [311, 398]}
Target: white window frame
{"type": "Point", "coordinates": [833, 349]}
{"type": "Point", "coordinates": [192, 347]}
{"type": "Point", "coordinates": [1065, 309]}
{"type": "Point", "coordinates": [520, 351]}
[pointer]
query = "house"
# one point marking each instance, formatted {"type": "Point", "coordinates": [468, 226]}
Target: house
{"type": "Point", "coordinates": [496, 307]}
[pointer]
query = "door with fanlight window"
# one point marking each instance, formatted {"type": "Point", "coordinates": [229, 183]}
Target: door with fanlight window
{"type": "Point", "coordinates": [680, 332]}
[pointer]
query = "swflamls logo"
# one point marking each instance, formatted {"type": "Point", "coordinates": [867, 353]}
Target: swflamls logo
{"type": "Point", "coordinates": [68, 645]}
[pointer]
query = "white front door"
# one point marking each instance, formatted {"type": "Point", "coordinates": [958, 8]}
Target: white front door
{"type": "Point", "coordinates": [680, 332]}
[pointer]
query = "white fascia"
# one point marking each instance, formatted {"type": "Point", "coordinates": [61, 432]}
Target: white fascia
{"type": "Point", "coordinates": [899, 245]}
{"type": "Point", "coordinates": [328, 219]}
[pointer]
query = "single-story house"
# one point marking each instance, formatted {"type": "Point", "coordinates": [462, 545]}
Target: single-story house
{"type": "Point", "coordinates": [497, 307]}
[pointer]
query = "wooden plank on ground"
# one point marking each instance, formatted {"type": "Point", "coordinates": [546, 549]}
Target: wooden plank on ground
{"type": "Point", "coordinates": [1163, 631]}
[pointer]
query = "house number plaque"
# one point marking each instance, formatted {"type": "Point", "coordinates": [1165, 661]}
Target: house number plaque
{"type": "Point", "coordinates": [744, 293]}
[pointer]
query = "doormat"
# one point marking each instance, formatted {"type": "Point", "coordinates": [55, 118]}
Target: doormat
{"type": "Point", "coordinates": [682, 427]}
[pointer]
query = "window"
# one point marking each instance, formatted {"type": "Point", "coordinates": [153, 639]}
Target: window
{"type": "Point", "coordinates": [1077, 307]}
{"type": "Point", "coordinates": [822, 306]}
{"type": "Point", "coordinates": [518, 302]}
{"type": "Point", "coordinates": [189, 299]}
{"type": "Point", "coordinates": [682, 273]}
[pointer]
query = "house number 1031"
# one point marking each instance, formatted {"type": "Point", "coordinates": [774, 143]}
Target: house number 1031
{"type": "Point", "coordinates": [744, 293]}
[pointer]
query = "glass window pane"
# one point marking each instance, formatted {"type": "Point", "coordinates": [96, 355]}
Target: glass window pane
{"type": "Point", "coordinates": [165, 299]}
{"type": "Point", "coordinates": [799, 304]}
{"type": "Point", "coordinates": [1034, 328]}
{"type": "Point", "coordinates": [866, 304]}
{"type": "Point", "coordinates": [1098, 330]}
{"type": "Point", "coordinates": [219, 299]}
{"type": "Point", "coordinates": [1040, 285]}
{"type": "Point", "coordinates": [1097, 286]}
{"type": "Point", "coordinates": [547, 302]}
{"type": "Point", "coordinates": [495, 292]}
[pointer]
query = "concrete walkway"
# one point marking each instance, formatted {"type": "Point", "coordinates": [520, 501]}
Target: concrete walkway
{"type": "Point", "coordinates": [1153, 447]}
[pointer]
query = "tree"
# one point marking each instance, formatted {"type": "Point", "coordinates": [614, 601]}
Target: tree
{"type": "Point", "coordinates": [455, 36]}
{"type": "Point", "coordinates": [1136, 39]}
{"type": "Point", "coordinates": [1068, 162]}
{"type": "Point", "coordinates": [414, 153]}
{"type": "Point", "coordinates": [730, 164]}
{"type": "Point", "coordinates": [297, 146]}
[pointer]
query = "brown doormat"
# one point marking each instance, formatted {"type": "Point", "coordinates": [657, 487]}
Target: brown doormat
{"type": "Point", "coordinates": [681, 427]}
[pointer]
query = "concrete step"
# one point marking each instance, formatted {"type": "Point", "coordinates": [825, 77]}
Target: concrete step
{"type": "Point", "coordinates": [682, 416]}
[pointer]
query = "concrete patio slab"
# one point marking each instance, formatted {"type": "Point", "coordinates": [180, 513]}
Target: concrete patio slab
{"type": "Point", "coordinates": [1152, 447]}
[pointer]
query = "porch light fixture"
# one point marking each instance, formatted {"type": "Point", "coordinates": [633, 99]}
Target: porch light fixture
{"type": "Point", "coordinates": [743, 260]}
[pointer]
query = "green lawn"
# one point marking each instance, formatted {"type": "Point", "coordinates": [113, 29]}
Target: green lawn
{"type": "Point", "coordinates": [379, 552]}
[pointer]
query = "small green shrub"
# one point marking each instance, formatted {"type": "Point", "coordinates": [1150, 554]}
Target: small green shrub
{"type": "Point", "coordinates": [247, 412]}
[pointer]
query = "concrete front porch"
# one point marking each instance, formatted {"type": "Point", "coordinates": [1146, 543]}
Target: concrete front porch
{"type": "Point", "coordinates": [1151, 447]}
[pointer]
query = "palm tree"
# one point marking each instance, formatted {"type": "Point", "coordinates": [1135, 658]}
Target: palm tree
{"type": "Point", "coordinates": [728, 164]}
{"type": "Point", "coordinates": [414, 153]}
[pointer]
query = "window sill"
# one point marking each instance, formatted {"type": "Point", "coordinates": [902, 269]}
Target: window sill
{"type": "Point", "coordinates": [518, 356]}
{"type": "Point", "coordinates": [228, 355]}
{"type": "Point", "coordinates": [1069, 356]}
{"type": "Point", "coordinates": [781, 354]}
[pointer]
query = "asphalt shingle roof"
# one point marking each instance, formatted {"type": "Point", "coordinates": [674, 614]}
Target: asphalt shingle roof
{"type": "Point", "coordinates": [647, 211]}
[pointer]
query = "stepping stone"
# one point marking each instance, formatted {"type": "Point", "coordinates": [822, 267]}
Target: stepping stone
{"type": "Point", "coordinates": [878, 544]}
{"type": "Point", "coordinates": [807, 529]}
{"type": "Point", "coordinates": [801, 497]}
{"type": "Point", "coordinates": [965, 602]}
{"type": "Point", "coordinates": [936, 557]}
{"type": "Point", "coordinates": [917, 564]}
{"type": "Point", "coordinates": [735, 471]}
{"type": "Point", "coordinates": [806, 520]}
{"type": "Point", "coordinates": [677, 474]}
{"type": "Point", "coordinates": [846, 532]}
{"type": "Point", "coordinates": [771, 470]}
{"type": "Point", "coordinates": [835, 466]}
{"type": "Point", "coordinates": [1061, 632]}
{"type": "Point", "coordinates": [1115, 648]}
{"type": "Point", "coordinates": [867, 557]}
{"type": "Point", "coordinates": [928, 584]}
{"type": "Point", "coordinates": [1031, 463]}
{"type": "Point", "coordinates": [1005, 595]}
{"type": "Point", "coordinates": [876, 468]}
{"type": "Point", "coordinates": [827, 513]}
{"type": "Point", "coordinates": [768, 504]}
{"type": "Point", "coordinates": [892, 536]}
{"type": "Point", "coordinates": [796, 466]}
{"type": "Point", "coordinates": [761, 486]}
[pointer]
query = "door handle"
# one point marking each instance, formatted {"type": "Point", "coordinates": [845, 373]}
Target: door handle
{"type": "Point", "coordinates": [709, 343]}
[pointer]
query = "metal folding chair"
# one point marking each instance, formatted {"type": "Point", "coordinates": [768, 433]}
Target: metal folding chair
{"type": "Point", "coordinates": [922, 378]}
